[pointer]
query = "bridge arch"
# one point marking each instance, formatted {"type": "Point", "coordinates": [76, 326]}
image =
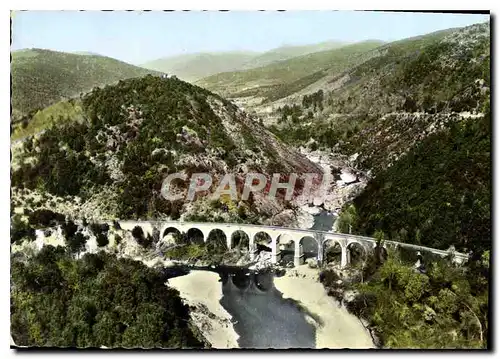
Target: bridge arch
{"type": "Point", "coordinates": [195, 235]}
{"type": "Point", "coordinates": [240, 240]}
{"type": "Point", "coordinates": [357, 251]}
{"type": "Point", "coordinates": [170, 230]}
{"type": "Point", "coordinates": [217, 239]}
{"type": "Point", "coordinates": [332, 251]}
{"type": "Point", "coordinates": [296, 235]}
{"type": "Point", "coordinates": [263, 238]}
{"type": "Point", "coordinates": [287, 245]}
{"type": "Point", "coordinates": [310, 246]}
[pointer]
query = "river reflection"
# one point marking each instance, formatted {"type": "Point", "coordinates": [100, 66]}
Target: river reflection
{"type": "Point", "coordinates": [262, 317]}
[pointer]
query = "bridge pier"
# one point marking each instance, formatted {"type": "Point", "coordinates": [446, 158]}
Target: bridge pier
{"type": "Point", "coordinates": [345, 257]}
{"type": "Point", "coordinates": [253, 251]}
{"type": "Point", "coordinates": [275, 250]}
{"type": "Point", "coordinates": [320, 239]}
{"type": "Point", "coordinates": [298, 258]}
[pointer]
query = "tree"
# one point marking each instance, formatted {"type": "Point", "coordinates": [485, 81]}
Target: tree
{"type": "Point", "coordinates": [76, 242]}
{"type": "Point", "coordinates": [96, 300]}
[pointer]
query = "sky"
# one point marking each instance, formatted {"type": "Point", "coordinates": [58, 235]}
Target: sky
{"type": "Point", "coordinates": [137, 37]}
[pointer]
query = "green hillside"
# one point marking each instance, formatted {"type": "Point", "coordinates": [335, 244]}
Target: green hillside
{"type": "Point", "coordinates": [43, 77]}
{"type": "Point", "coordinates": [132, 134]}
{"type": "Point", "coordinates": [192, 67]}
{"type": "Point", "coordinates": [67, 110]}
{"type": "Point", "coordinates": [58, 300]}
{"type": "Point", "coordinates": [286, 77]}
{"type": "Point", "coordinates": [287, 52]}
{"type": "Point", "coordinates": [416, 118]}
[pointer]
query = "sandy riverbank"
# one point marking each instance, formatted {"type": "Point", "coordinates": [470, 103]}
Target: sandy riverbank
{"type": "Point", "coordinates": [203, 290]}
{"type": "Point", "coordinates": [339, 329]}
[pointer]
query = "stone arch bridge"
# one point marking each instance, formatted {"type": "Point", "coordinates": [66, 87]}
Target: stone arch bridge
{"type": "Point", "coordinates": [280, 238]}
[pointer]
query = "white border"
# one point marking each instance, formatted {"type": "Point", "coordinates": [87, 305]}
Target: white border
{"type": "Point", "coordinates": [254, 5]}
{"type": "Point", "coordinates": [179, 5]}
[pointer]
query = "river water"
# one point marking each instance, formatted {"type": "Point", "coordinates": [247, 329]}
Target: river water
{"type": "Point", "coordinates": [324, 221]}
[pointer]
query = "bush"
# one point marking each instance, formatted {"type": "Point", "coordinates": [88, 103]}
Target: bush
{"type": "Point", "coordinates": [45, 218]}
{"type": "Point", "coordinates": [118, 239]}
{"type": "Point", "coordinates": [20, 230]}
{"type": "Point", "coordinates": [141, 239]}
{"type": "Point", "coordinates": [76, 242]}
{"type": "Point", "coordinates": [69, 229]}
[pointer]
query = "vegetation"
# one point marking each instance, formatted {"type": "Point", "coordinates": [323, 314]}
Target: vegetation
{"type": "Point", "coordinates": [444, 308]}
{"type": "Point", "coordinates": [132, 134]}
{"type": "Point", "coordinates": [276, 78]}
{"type": "Point", "coordinates": [287, 52]}
{"type": "Point", "coordinates": [414, 114]}
{"type": "Point", "coordinates": [43, 77]}
{"type": "Point", "coordinates": [192, 67]}
{"type": "Point", "coordinates": [20, 230]}
{"type": "Point", "coordinates": [403, 92]}
{"type": "Point", "coordinates": [98, 300]}
{"type": "Point", "coordinates": [38, 121]}
{"type": "Point", "coordinates": [192, 248]}
{"type": "Point", "coordinates": [430, 181]}
{"type": "Point", "coordinates": [437, 195]}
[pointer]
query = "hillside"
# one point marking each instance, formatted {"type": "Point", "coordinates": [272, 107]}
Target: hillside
{"type": "Point", "coordinates": [283, 78]}
{"type": "Point", "coordinates": [40, 120]}
{"type": "Point", "coordinates": [415, 118]}
{"type": "Point", "coordinates": [132, 134]}
{"type": "Point", "coordinates": [191, 67]}
{"type": "Point", "coordinates": [287, 52]}
{"type": "Point", "coordinates": [43, 77]}
{"type": "Point", "coordinates": [60, 299]}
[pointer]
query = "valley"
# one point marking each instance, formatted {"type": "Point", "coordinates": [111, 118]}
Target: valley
{"type": "Point", "coordinates": [397, 135]}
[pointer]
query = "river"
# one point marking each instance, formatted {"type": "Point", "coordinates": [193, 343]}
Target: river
{"type": "Point", "coordinates": [324, 221]}
{"type": "Point", "coordinates": [261, 316]}
{"type": "Point", "coordinates": [290, 310]}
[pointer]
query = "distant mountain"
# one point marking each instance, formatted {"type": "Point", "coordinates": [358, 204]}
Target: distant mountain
{"type": "Point", "coordinates": [191, 67]}
{"type": "Point", "coordinates": [42, 77]}
{"type": "Point", "coordinates": [287, 52]}
{"type": "Point", "coordinates": [85, 53]}
{"type": "Point", "coordinates": [283, 78]}
{"type": "Point", "coordinates": [404, 86]}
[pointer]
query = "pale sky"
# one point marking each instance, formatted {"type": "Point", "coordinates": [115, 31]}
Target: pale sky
{"type": "Point", "coordinates": [137, 37]}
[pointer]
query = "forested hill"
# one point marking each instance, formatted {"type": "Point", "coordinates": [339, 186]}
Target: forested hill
{"type": "Point", "coordinates": [416, 118]}
{"type": "Point", "coordinates": [381, 107]}
{"type": "Point", "coordinates": [41, 77]}
{"type": "Point", "coordinates": [95, 301]}
{"type": "Point", "coordinates": [192, 67]}
{"type": "Point", "coordinates": [129, 136]}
